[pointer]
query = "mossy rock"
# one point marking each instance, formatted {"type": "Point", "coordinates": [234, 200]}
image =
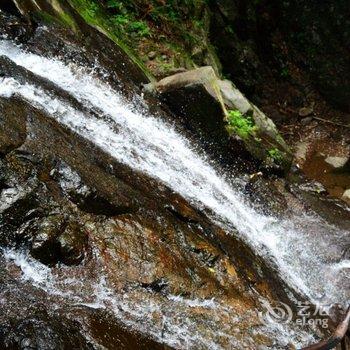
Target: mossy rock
{"type": "Point", "coordinates": [216, 110]}
{"type": "Point", "coordinates": [79, 17]}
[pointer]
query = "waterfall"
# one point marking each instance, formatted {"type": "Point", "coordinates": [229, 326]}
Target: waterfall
{"type": "Point", "coordinates": [148, 144]}
{"type": "Point", "coordinates": [300, 246]}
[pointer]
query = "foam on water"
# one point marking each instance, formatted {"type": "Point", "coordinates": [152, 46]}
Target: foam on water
{"type": "Point", "coordinates": [150, 145]}
{"type": "Point", "coordinates": [32, 270]}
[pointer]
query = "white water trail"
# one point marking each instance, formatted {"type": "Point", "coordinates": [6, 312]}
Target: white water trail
{"type": "Point", "coordinates": [148, 144]}
{"type": "Point", "coordinates": [165, 318]}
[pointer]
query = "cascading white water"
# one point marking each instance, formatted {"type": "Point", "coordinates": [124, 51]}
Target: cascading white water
{"type": "Point", "coordinates": [165, 319]}
{"type": "Point", "coordinates": [300, 246]}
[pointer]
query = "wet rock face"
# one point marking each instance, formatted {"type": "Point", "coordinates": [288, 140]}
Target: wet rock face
{"type": "Point", "coordinates": [70, 27]}
{"type": "Point", "coordinates": [18, 205]}
{"type": "Point", "coordinates": [45, 246]}
{"type": "Point", "coordinates": [57, 240]}
{"type": "Point", "coordinates": [11, 136]}
{"type": "Point", "coordinates": [86, 198]}
{"type": "Point", "coordinates": [73, 243]}
{"type": "Point", "coordinates": [12, 26]}
{"type": "Point", "coordinates": [162, 247]}
{"type": "Point", "coordinates": [42, 332]}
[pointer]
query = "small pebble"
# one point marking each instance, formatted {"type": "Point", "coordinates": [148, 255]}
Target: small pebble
{"type": "Point", "coordinates": [305, 111]}
{"type": "Point", "coordinates": [152, 55]}
{"type": "Point", "coordinates": [306, 120]}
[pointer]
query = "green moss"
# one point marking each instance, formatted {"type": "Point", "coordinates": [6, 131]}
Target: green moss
{"type": "Point", "coordinates": [285, 72]}
{"type": "Point", "coordinates": [62, 18]}
{"type": "Point", "coordinates": [67, 20]}
{"type": "Point", "coordinates": [171, 28]}
{"type": "Point", "coordinates": [177, 31]}
{"type": "Point", "coordinates": [242, 125]}
{"type": "Point", "coordinates": [276, 155]}
{"type": "Point", "coordinates": [96, 15]}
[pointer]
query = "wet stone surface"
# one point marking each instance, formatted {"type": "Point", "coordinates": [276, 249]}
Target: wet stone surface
{"type": "Point", "coordinates": [93, 250]}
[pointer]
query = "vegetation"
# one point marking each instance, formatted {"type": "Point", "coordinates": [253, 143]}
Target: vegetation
{"type": "Point", "coordinates": [95, 14]}
{"type": "Point", "coordinates": [276, 155]}
{"type": "Point", "coordinates": [285, 72]}
{"type": "Point", "coordinates": [175, 30]}
{"type": "Point", "coordinates": [62, 18]}
{"type": "Point", "coordinates": [242, 125]}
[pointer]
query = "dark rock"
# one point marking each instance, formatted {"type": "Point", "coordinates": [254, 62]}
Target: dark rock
{"type": "Point", "coordinates": [86, 198]}
{"type": "Point", "coordinates": [12, 127]}
{"type": "Point", "coordinates": [55, 241]}
{"type": "Point", "coordinates": [73, 243]}
{"type": "Point", "coordinates": [10, 8]}
{"type": "Point", "coordinates": [12, 26]}
{"type": "Point", "coordinates": [265, 196]}
{"type": "Point", "coordinates": [204, 102]}
{"type": "Point", "coordinates": [46, 246]}
{"type": "Point", "coordinates": [107, 330]}
{"type": "Point", "coordinates": [156, 286]}
{"type": "Point", "coordinates": [305, 111]}
{"type": "Point", "coordinates": [15, 205]}
{"type": "Point", "coordinates": [306, 121]}
{"type": "Point", "coordinates": [194, 96]}
{"type": "Point", "coordinates": [43, 332]}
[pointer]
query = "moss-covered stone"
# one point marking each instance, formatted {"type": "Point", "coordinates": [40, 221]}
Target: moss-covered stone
{"type": "Point", "coordinates": [242, 125]}
{"type": "Point", "coordinates": [177, 33]}
{"type": "Point", "coordinates": [217, 111]}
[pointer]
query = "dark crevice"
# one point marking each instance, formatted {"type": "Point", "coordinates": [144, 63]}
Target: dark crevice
{"type": "Point", "coordinates": [179, 216]}
{"type": "Point", "coordinates": [9, 7]}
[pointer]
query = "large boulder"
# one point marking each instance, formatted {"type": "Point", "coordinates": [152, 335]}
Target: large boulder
{"type": "Point", "coordinates": [195, 97]}
{"type": "Point", "coordinates": [216, 110]}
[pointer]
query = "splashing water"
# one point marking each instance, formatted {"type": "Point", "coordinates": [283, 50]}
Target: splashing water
{"type": "Point", "coordinates": [165, 319]}
{"type": "Point", "coordinates": [300, 246]}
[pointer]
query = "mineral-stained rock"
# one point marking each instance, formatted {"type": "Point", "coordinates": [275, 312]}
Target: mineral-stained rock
{"type": "Point", "coordinates": [85, 197]}
{"type": "Point", "coordinates": [57, 240]}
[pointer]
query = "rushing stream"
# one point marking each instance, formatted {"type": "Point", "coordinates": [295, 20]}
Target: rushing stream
{"type": "Point", "coordinates": [307, 250]}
